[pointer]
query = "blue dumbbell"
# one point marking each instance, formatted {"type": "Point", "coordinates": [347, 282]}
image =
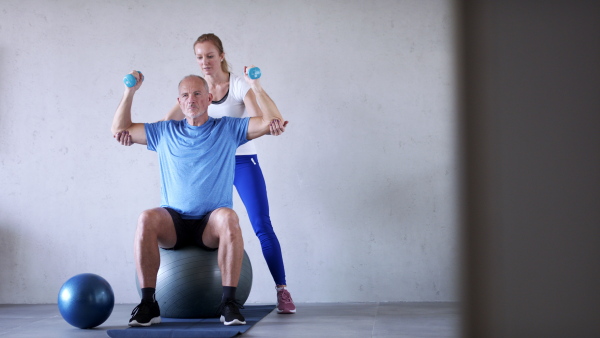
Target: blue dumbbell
{"type": "Point", "coordinates": [253, 73]}
{"type": "Point", "coordinates": [130, 80]}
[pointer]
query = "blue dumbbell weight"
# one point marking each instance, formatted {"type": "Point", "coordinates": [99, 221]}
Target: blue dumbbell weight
{"type": "Point", "coordinates": [254, 73]}
{"type": "Point", "coordinates": [130, 80]}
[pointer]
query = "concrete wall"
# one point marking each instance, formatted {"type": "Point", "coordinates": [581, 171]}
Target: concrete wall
{"type": "Point", "coordinates": [362, 186]}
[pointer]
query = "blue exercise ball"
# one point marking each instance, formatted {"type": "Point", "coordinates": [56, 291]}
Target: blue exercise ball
{"type": "Point", "coordinates": [189, 283]}
{"type": "Point", "coordinates": [86, 300]}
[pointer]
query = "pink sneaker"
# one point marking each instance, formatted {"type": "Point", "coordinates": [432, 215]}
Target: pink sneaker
{"type": "Point", "coordinates": [285, 304]}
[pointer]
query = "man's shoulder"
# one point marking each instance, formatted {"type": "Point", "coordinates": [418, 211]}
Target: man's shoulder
{"type": "Point", "coordinates": [234, 121]}
{"type": "Point", "coordinates": [173, 122]}
{"type": "Point", "coordinates": [228, 119]}
{"type": "Point", "coordinates": [161, 127]}
{"type": "Point", "coordinates": [165, 123]}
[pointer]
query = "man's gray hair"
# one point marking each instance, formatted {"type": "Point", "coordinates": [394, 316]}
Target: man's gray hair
{"type": "Point", "coordinates": [194, 76]}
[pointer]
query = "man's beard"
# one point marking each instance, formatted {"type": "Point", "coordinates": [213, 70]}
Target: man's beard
{"type": "Point", "coordinates": [192, 115]}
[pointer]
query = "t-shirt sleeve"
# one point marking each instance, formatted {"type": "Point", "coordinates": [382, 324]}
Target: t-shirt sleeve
{"type": "Point", "coordinates": [239, 128]}
{"type": "Point", "coordinates": [154, 132]}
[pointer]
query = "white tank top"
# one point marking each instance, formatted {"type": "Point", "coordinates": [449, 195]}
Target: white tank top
{"type": "Point", "coordinates": [233, 105]}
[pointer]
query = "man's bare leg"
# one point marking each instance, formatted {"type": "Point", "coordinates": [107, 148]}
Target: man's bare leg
{"type": "Point", "coordinates": [155, 228]}
{"type": "Point", "coordinates": [223, 231]}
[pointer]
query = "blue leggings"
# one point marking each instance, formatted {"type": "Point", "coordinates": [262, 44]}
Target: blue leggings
{"type": "Point", "coordinates": [250, 184]}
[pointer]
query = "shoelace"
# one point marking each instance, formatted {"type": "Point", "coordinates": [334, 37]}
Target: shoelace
{"type": "Point", "coordinates": [135, 310]}
{"type": "Point", "coordinates": [234, 302]}
{"type": "Point", "coordinates": [286, 297]}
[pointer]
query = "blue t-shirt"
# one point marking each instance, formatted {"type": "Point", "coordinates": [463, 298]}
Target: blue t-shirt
{"type": "Point", "coordinates": [197, 164]}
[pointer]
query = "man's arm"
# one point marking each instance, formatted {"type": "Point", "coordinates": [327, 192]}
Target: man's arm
{"type": "Point", "coordinates": [260, 125]}
{"type": "Point", "coordinates": [122, 118]}
{"type": "Point", "coordinates": [175, 113]}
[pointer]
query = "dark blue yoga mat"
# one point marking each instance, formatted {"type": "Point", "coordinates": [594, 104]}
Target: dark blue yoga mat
{"type": "Point", "coordinates": [206, 327]}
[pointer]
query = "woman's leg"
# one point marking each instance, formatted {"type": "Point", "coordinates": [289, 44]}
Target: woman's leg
{"type": "Point", "coordinates": [250, 184]}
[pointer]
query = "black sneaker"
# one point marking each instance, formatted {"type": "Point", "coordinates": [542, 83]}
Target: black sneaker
{"type": "Point", "coordinates": [230, 313]}
{"type": "Point", "coordinates": [145, 314]}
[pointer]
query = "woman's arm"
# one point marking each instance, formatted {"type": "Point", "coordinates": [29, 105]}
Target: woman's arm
{"type": "Point", "coordinates": [174, 114]}
{"type": "Point", "coordinates": [259, 104]}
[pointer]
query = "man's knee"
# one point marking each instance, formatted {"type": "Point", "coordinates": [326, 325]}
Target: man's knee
{"type": "Point", "coordinates": [227, 221]}
{"type": "Point", "coordinates": [226, 216]}
{"type": "Point", "coordinates": [150, 219]}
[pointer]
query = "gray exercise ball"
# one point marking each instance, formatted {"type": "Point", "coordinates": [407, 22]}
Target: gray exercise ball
{"type": "Point", "coordinates": [189, 283]}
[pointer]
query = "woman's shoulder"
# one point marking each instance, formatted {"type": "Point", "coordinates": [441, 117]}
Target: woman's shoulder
{"type": "Point", "coordinates": [238, 84]}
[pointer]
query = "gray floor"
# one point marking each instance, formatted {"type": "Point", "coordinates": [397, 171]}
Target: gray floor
{"type": "Point", "coordinates": [440, 320]}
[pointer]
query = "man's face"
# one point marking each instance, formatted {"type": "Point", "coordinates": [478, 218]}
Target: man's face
{"type": "Point", "coordinates": [193, 97]}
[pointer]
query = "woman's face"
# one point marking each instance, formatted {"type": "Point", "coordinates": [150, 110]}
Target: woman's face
{"type": "Point", "coordinates": [208, 58]}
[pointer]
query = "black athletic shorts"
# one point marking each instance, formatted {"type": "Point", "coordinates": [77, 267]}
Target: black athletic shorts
{"type": "Point", "coordinates": [189, 231]}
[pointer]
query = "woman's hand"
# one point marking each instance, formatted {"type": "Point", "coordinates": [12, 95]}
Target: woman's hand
{"type": "Point", "coordinates": [123, 137]}
{"type": "Point", "coordinates": [277, 128]}
{"type": "Point", "coordinates": [251, 82]}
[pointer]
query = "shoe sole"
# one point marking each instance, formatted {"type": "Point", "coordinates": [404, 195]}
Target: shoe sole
{"type": "Point", "coordinates": [155, 320]}
{"type": "Point", "coordinates": [233, 322]}
{"type": "Point", "coordinates": [286, 312]}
